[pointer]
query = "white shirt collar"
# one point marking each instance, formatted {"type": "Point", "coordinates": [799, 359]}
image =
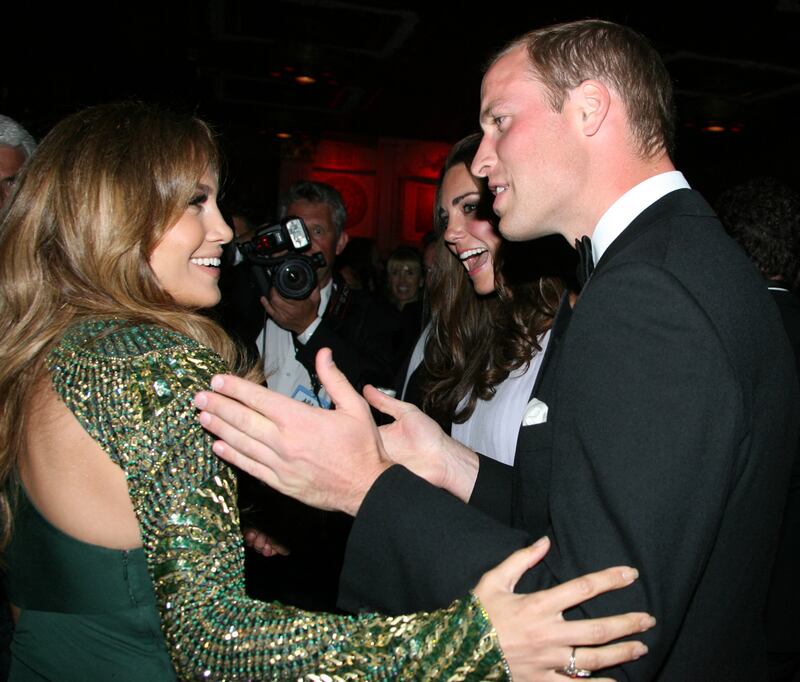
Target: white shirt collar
{"type": "Point", "coordinates": [625, 209]}
{"type": "Point", "coordinates": [324, 297]}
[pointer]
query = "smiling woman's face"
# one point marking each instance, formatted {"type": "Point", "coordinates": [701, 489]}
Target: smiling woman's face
{"type": "Point", "coordinates": [469, 236]}
{"type": "Point", "coordinates": [405, 281]}
{"type": "Point", "coordinates": [186, 260]}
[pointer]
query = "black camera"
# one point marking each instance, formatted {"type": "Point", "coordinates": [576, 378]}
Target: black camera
{"type": "Point", "coordinates": [292, 273]}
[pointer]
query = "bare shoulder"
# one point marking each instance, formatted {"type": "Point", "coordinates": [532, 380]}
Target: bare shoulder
{"type": "Point", "coordinates": [70, 478]}
{"type": "Point", "coordinates": [101, 417]}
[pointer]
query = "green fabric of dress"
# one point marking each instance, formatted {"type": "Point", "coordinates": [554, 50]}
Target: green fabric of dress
{"type": "Point", "coordinates": [93, 609]}
{"type": "Point", "coordinates": [79, 600]}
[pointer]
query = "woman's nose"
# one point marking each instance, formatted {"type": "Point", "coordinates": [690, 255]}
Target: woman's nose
{"type": "Point", "coordinates": [454, 231]}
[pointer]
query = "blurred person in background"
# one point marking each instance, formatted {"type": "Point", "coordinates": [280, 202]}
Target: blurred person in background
{"type": "Point", "coordinates": [16, 146]}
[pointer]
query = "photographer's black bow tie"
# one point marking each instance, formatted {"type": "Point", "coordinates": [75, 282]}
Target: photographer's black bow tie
{"type": "Point", "coordinates": [586, 259]}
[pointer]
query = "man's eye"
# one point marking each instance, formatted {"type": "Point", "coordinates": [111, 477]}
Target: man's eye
{"type": "Point", "coordinates": [499, 121]}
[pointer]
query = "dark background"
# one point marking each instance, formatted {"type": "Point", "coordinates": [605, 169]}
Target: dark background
{"type": "Point", "coordinates": [392, 69]}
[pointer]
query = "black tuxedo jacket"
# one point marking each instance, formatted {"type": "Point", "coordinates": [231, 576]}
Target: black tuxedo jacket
{"type": "Point", "coordinates": [669, 397]}
{"type": "Point", "coordinates": [783, 602]}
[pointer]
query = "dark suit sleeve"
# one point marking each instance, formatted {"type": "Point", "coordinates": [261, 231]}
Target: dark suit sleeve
{"type": "Point", "coordinates": [492, 491]}
{"type": "Point", "coordinates": [413, 545]}
{"type": "Point", "coordinates": [645, 423]}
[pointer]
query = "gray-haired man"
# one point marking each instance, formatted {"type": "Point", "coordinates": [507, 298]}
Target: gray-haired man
{"type": "Point", "coordinates": [16, 145]}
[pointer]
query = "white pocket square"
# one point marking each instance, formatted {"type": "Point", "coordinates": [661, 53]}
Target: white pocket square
{"type": "Point", "coordinates": [535, 413]}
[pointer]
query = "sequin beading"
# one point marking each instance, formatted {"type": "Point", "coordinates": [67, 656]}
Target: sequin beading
{"type": "Point", "coordinates": [131, 388]}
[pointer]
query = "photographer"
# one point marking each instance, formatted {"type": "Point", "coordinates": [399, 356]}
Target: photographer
{"type": "Point", "coordinates": [361, 331]}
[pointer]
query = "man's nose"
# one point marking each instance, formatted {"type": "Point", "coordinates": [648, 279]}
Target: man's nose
{"type": "Point", "coordinates": [484, 158]}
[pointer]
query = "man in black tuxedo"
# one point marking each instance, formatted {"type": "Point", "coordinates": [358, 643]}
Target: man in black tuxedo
{"type": "Point", "coordinates": [658, 433]}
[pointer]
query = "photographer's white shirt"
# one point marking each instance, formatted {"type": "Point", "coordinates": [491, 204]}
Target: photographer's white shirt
{"type": "Point", "coordinates": [282, 370]}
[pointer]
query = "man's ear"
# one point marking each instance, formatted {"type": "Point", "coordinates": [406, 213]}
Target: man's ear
{"type": "Point", "coordinates": [593, 100]}
{"type": "Point", "coordinates": [341, 242]}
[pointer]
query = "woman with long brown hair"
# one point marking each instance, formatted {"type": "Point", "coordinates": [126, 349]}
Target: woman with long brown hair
{"type": "Point", "coordinates": [489, 323]}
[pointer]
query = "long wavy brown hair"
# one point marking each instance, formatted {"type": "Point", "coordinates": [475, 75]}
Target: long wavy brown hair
{"type": "Point", "coordinates": [91, 205]}
{"type": "Point", "coordinates": [476, 341]}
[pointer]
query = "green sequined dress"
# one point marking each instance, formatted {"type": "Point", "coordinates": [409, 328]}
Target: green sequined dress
{"type": "Point", "coordinates": [131, 388]}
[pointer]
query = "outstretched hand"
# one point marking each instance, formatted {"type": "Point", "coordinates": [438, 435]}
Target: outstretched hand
{"type": "Point", "coordinates": [326, 458]}
{"type": "Point", "coordinates": [535, 637]}
{"type": "Point", "coordinates": [418, 443]}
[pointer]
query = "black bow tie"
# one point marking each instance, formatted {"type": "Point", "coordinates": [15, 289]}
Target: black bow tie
{"type": "Point", "coordinates": [586, 259]}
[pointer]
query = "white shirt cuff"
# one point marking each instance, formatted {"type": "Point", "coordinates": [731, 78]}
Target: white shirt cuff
{"type": "Point", "coordinates": [309, 331]}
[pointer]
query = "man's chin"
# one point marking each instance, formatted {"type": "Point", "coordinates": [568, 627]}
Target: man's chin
{"type": "Point", "coordinates": [521, 230]}
{"type": "Point", "coordinates": [511, 229]}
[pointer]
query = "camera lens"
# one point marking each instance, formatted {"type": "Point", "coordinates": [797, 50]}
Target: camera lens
{"type": "Point", "coordinates": [295, 279]}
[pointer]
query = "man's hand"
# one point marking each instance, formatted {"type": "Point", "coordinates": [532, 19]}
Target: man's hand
{"type": "Point", "coordinates": [326, 458]}
{"type": "Point", "coordinates": [294, 316]}
{"type": "Point", "coordinates": [418, 443]}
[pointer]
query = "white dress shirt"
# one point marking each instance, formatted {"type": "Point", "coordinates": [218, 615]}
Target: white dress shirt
{"type": "Point", "coordinates": [493, 427]}
{"type": "Point", "coordinates": [284, 373]}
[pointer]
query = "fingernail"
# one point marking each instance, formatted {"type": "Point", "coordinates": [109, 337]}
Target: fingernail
{"type": "Point", "coordinates": [639, 650]}
{"type": "Point", "coordinates": [540, 541]}
{"type": "Point", "coordinates": [204, 418]}
{"type": "Point", "coordinates": [218, 447]}
{"type": "Point", "coordinates": [647, 622]}
{"type": "Point", "coordinates": [630, 574]}
{"type": "Point", "coordinates": [200, 400]}
{"type": "Point", "coordinates": [216, 382]}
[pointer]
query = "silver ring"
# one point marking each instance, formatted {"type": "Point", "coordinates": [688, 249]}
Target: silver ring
{"type": "Point", "coordinates": [571, 670]}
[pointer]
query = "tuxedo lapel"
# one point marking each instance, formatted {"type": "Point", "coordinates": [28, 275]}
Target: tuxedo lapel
{"type": "Point", "coordinates": [533, 459]}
